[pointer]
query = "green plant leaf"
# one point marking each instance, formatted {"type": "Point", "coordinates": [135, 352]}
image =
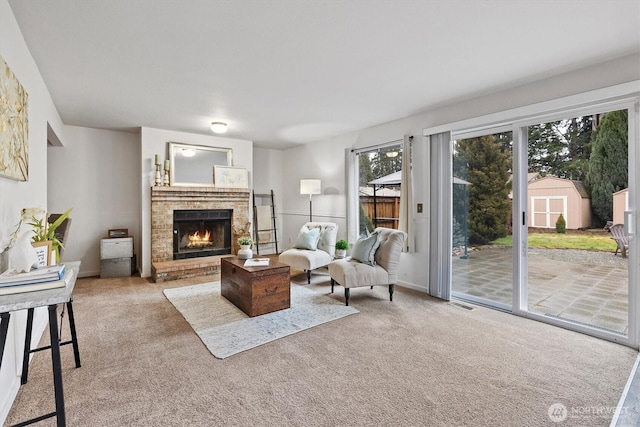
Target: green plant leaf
{"type": "Point", "coordinates": [52, 227]}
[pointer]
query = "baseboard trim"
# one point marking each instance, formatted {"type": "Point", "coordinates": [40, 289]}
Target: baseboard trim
{"type": "Point", "coordinates": [412, 286]}
{"type": "Point", "coordinates": [89, 273]}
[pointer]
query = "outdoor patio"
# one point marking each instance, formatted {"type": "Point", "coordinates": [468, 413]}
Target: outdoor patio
{"type": "Point", "coordinates": [583, 286]}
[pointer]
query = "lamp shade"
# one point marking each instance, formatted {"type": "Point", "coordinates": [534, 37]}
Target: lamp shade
{"type": "Point", "coordinates": [310, 186]}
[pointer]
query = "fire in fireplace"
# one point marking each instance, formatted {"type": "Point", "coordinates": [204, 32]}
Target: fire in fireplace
{"type": "Point", "coordinates": [198, 233]}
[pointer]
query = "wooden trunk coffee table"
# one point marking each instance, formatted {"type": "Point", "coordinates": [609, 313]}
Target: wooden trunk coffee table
{"type": "Point", "coordinates": [255, 290]}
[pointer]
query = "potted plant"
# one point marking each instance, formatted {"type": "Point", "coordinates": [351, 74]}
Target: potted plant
{"type": "Point", "coordinates": [42, 231]}
{"type": "Point", "coordinates": [341, 248]}
{"type": "Point", "coordinates": [245, 241]}
{"type": "Point", "coordinates": [245, 251]}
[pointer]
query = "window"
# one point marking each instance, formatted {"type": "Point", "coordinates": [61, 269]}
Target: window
{"type": "Point", "coordinates": [380, 177]}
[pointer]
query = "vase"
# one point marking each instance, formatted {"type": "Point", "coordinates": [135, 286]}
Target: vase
{"type": "Point", "coordinates": [341, 253]}
{"type": "Point", "coordinates": [245, 252]}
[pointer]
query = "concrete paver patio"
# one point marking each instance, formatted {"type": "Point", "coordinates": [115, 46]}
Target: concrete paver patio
{"type": "Point", "coordinates": [577, 285]}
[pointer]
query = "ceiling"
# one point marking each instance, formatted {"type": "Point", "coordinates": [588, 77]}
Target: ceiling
{"type": "Point", "coordinates": [288, 72]}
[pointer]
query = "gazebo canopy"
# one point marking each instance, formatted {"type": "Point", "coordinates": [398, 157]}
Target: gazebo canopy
{"type": "Point", "coordinates": [457, 180]}
{"type": "Point", "coordinates": [391, 179]}
{"type": "Point", "coordinates": [396, 179]}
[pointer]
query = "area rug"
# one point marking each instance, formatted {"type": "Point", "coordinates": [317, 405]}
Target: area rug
{"type": "Point", "coordinates": [225, 330]}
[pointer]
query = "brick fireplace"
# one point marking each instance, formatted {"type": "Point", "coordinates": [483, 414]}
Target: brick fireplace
{"type": "Point", "coordinates": [166, 200]}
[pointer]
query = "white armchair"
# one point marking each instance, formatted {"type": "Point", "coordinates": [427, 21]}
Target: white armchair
{"type": "Point", "coordinates": [309, 255]}
{"type": "Point", "coordinates": [352, 273]}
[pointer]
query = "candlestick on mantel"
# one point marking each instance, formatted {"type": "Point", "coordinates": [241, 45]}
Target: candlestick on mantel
{"type": "Point", "coordinates": [158, 181]}
{"type": "Point", "coordinates": [167, 165]}
{"type": "Point", "coordinates": [157, 159]}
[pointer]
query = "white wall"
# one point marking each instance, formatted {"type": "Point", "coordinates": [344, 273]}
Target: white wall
{"type": "Point", "coordinates": [155, 141]}
{"type": "Point", "coordinates": [17, 195]}
{"type": "Point", "coordinates": [95, 173]}
{"type": "Point", "coordinates": [325, 159]}
{"type": "Point", "coordinates": [267, 176]}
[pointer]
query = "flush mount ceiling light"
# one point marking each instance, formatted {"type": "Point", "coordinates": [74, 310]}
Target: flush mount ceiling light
{"type": "Point", "coordinates": [218, 127]}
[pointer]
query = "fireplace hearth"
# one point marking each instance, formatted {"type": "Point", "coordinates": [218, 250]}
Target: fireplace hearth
{"type": "Point", "coordinates": [200, 233]}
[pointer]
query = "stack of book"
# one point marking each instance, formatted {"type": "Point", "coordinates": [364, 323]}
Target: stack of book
{"type": "Point", "coordinates": [53, 276]}
{"type": "Point", "coordinates": [257, 262]}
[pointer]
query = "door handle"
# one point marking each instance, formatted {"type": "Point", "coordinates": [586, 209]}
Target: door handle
{"type": "Point", "coordinates": [628, 223]}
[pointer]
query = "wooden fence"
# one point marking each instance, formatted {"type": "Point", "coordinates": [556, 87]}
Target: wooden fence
{"type": "Point", "coordinates": [385, 213]}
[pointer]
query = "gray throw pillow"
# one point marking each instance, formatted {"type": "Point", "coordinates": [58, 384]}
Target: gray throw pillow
{"type": "Point", "coordinates": [365, 249]}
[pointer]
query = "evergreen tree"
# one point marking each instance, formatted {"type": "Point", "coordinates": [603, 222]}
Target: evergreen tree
{"type": "Point", "coordinates": [561, 225]}
{"type": "Point", "coordinates": [545, 149]}
{"type": "Point", "coordinates": [485, 163]}
{"type": "Point", "coordinates": [561, 148]}
{"type": "Point", "coordinates": [364, 169]}
{"type": "Point", "coordinates": [608, 164]}
{"type": "Point", "coordinates": [366, 224]}
{"type": "Point", "coordinates": [383, 165]}
{"type": "Point", "coordinates": [578, 135]}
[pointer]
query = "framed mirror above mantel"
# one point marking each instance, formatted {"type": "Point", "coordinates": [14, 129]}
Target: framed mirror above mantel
{"type": "Point", "coordinates": [193, 165]}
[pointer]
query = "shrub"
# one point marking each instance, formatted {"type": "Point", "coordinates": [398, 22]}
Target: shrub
{"type": "Point", "coordinates": [561, 225]}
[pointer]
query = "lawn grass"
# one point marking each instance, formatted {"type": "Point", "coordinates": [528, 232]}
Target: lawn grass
{"type": "Point", "coordinates": [592, 242]}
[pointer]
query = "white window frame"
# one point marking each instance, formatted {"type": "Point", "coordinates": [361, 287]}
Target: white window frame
{"type": "Point", "coordinates": [353, 235]}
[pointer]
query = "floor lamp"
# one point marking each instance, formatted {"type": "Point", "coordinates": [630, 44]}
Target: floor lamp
{"type": "Point", "coordinates": [310, 186]}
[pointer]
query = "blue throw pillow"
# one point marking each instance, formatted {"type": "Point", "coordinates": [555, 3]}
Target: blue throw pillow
{"type": "Point", "coordinates": [308, 239]}
{"type": "Point", "coordinates": [365, 249]}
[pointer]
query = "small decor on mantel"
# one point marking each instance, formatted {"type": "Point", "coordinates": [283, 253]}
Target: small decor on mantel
{"type": "Point", "coordinates": [158, 181]}
{"type": "Point", "coordinates": [167, 166]}
{"type": "Point", "coordinates": [245, 251]}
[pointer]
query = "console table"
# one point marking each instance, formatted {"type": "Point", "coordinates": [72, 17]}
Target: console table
{"type": "Point", "coordinates": [29, 301]}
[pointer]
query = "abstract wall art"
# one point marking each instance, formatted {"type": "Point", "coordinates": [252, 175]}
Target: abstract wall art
{"type": "Point", "coordinates": [14, 126]}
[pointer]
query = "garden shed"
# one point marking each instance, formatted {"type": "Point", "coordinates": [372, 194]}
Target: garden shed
{"type": "Point", "coordinates": [620, 204]}
{"type": "Point", "coordinates": [550, 196]}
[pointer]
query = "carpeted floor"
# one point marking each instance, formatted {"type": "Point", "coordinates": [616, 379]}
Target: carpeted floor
{"type": "Point", "coordinates": [415, 361]}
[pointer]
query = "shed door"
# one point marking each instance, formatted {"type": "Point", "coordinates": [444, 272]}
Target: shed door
{"type": "Point", "coordinates": [545, 211]}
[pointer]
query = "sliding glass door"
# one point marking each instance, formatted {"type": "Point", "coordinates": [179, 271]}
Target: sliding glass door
{"type": "Point", "coordinates": [533, 207]}
{"type": "Point", "coordinates": [577, 191]}
{"type": "Point", "coordinates": [482, 264]}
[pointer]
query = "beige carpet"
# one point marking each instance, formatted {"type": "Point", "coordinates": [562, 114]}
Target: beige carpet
{"type": "Point", "coordinates": [415, 361]}
{"type": "Point", "coordinates": [226, 330]}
